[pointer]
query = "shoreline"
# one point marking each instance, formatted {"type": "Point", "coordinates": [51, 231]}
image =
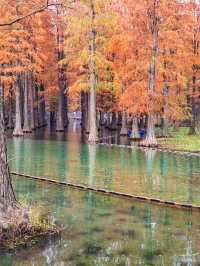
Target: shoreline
{"type": "Point", "coordinates": [157, 148]}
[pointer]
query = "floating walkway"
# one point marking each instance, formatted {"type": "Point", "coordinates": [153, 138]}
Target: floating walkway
{"type": "Point", "coordinates": [114, 193]}
{"type": "Point", "coordinates": [160, 149]}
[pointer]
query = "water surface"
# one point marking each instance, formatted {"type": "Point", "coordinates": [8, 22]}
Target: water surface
{"type": "Point", "coordinates": [66, 157]}
{"type": "Point", "coordinates": [101, 230]}
{"type": "Point", "coordinates": [107, 231]}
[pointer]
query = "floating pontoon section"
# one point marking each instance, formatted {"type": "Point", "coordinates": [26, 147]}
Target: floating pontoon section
{"type": "Point", "coordinates": [114, 193]}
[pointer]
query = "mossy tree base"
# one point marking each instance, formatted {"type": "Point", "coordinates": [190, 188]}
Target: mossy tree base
{"type": "Point", "coordinates": [19, 230]}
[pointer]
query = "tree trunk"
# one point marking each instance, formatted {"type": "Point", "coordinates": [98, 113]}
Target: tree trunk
{"type": "Point", "coordinates": [26, 128]}
{"type": "Point", "coordinates": [7, 196]}
{"type": "Point", "coordinates": [18, 132]}
{"type": "Point", "coordinates": [84, 110]}
{"type": "Point", "coordinates": [98, 120]}
{"type": "Point", "coordinates": [60, 124]}
{"type": "Point", "coordinates": [66, 119]}
{"type": "Point", "coordinates": [36, 107]}
{"type": "Point", "coordinates": [107, 120]}
{"type": "Point", "coordinates": [10, 124]}
{"type": "Point", "coordinates": [60, 113]}
{"type": "Point", "coordinates": [117, 119]}
{"type": "Point", "coordinates": [42, 120]}
{"type": "Point", "coordinates": [124, 130]}
{"type": "Point", "coordinates": [135, 130]}
{"type": "Point", "coordinates": [113, 122]}
{"type": "Point", "coordinates": [87, 125]}
{"type": "Point", "coordinates": [31, 95]}
{"type": "Point", "coordinates": [101, 121]}
{"type": "Point", "coordinates": [195, 48]}
{"type": "Point", "coordinates": [193, 125]}
{"type": "Point", "coordinates": [93, 135]}
{"type": "Point", "coordinates": [198, 116]}
{"type": "Point", "coordinates": [150, 136]}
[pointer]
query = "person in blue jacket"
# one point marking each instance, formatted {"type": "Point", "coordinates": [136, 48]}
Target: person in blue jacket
{"type": "Point", "coordinates": [129, 132]}
{"type": "Point", "coordinates": [142, 133]}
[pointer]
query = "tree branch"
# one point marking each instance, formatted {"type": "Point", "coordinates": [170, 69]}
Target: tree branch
{"type": "Point", "coordinates": [31, 13]}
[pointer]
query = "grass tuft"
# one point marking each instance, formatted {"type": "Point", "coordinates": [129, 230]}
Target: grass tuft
{"type": "Point", "coordinates": [20, 233]}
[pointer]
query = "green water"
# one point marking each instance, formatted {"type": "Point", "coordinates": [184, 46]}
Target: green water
{"type": "Point", "coordinates": [150, 173]}
{"type": "Point", "coordinates": [101, 230]}
{"type": "Point", "coordinates": [109, 231]}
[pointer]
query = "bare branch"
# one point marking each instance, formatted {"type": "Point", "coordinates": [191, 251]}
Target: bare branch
{"type": "Point", "coordinates": [31, 13]}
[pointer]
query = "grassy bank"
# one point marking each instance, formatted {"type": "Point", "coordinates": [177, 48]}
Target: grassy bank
{"type": "Point", "coordinates": [181, 140]}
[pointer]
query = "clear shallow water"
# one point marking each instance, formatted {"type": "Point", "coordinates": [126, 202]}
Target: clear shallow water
{"type": "Point", "coordinates": [108, 231]}
{"type": "Point", "coordinates": [101, 230]}
{"type": "Point", "coordinates": [65, 157]}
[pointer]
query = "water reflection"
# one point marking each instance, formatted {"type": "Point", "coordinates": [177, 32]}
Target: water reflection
{"type": "Point", "coordinates": [150, 173]}
{"type": "Point", "coordinates": [92, 161]}
{"type": "Point", "coordinates": [103, 230]}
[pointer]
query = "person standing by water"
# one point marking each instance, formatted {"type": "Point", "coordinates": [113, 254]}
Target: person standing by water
{"type": "Point", "coordinates": [142, 133]}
